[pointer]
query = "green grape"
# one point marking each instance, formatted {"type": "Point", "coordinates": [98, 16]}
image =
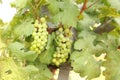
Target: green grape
{"type": "Point", "coordinates": [39, 26]}
{"type": "Point", "coordinates": [55, 55]}
{"type": "Point", "coordinates": [63, 60]}
{"type": "Point", "coordinates": [63, 46]}
{"type": "Point", "coordinates": [57, 63]}
{"type": "Point", "coordinates": [36, 37]}
{"type": "Point", "coordinates": [40, 36]}
{"type": "Point", "coordinates": [44, 25]}
{"type": "Point", "coordinates": [43, 20]}
{"type": "Point", "coordinates": [54, 60]}
{"type": "Point", "coordinates": [60, 29]}
{"type": "Point", "coordinates": [58, 55]}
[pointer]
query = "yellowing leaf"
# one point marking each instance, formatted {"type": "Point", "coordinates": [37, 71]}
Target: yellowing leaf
{"type": "Point", "coordinates": [19, 4]}
{"type": "Point", "coordinates": [108, 12]}
{"type": "Point", "coordinates": [10, 71]}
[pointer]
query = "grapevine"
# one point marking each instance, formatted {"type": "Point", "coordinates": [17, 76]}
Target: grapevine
{"type": "Point", "coordinates": [46, 36]}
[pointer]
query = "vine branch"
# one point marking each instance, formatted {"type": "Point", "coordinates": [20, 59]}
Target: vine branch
{"type": "Point", "coordinates": [34, 10]}
{"type": "Point", "coordinates": [92, 4]}
{"type": "Point", "coordinates": [84, 7]}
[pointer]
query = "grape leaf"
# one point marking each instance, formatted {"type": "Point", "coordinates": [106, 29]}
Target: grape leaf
{"type": "Point", "coordinates": [26, 28]}
{"type": "Point", "coordinates": [54, 6]}
{"type": "Point", "coordinates": [106, 11]}
{"type": "Point", "coordinates": [19, 4]}
{"type": "Point", "coordinates": [86, 22]}
{"type": "Point", "coordinates": [46, 56]}
{"type": "Point", "coordinates": [68, 13]}
{"type": "Point", "coordinates": [106, 2]}
{"type": "Point", "coordinates": [84, 63]}
{"type": "Point", "coordinates": [17, 49]}
{"type": "Point", "coordinates": [30, 69]}
{"type": "Point", "coordinates": [112, 65]}
{"type": "Point", "coordinates": [85, 41]}
{"type": "Point", "coordinates": [43, 74]}
{"type": "Point", "coordinates": [79, 1]}
{"type": "Point", "coordinates": [10, 71]}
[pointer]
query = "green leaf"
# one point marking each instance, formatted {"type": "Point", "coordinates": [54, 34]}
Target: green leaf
{"type": "Point", "coordinates": [84, 63]}
{"type": "Point", "coordinates": [86, 22]}
{"type": "Point", "coordinates": [43, 74]}
{"type": "Point", "coordinates": [67, 14]}
{"type": "Point", "coordinates": [105, 2]}
{"type": "Point", "coordinates": [19, 4]}
{"type": "Point", "coordinates": [112, 65]}
{"type": "Point", "coordinates": [46, 56]}
{"type": "Point", "coordinates": [106, 11]}
{"type": "Point", "coordinates": [24, 29]}
{"type": "Point", "coordinates": [54, 6]}
{"type": "Point", "coordinates": [30, 69]}
{"type": "Point", "coordinates": [50, 42]}
{"type": "Point", "coordinates": [79, 1]}
{"type": "Point", "coordinates": [10, 71]}
{"type": "Point", "coordinates": [29, 55]}
{"type": "Point", "coordinates": [18, 50]}
{"type": "Point", "coordinates": [85, 41]}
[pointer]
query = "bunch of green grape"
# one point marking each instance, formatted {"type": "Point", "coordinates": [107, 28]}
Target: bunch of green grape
{"type": "Point", "coordinates": [63, 45]}
{"type": "Point", "coordinates": [40, 35]}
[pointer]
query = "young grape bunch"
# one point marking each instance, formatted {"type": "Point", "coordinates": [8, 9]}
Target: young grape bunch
{"type": "Point", "coordinates": [40, 36]}
{"type": "Point", "coordinates": [63, 45]}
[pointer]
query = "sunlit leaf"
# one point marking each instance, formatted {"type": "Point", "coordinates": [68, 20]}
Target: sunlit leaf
{"type": "Point", "coordinates": [24, 29]}
{"type": "Point", "coordinates": [108, 12]}
{"type": "Point", "coordinates": [10, 71]}
{"type": "Point", "coordinates": [18, 50]}
{"type": "Point", "coordinates": [84, 63]}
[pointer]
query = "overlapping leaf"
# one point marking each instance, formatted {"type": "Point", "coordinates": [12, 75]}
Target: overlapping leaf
{"type": "Point", "coordinates": [112, 65]}
{"type": "Point", "coordinates": [19, 4]}
{"type": "Point", "coordinates": [18, 50]}
{"type": "Point", "coordinates": [24, 29]}
{"type": "Point", "coordinates": [86, 40]}
{"type": "Point", "coordinates": [67, 14]}
{"type": "Point", "coordinates": [84, 63]}
{"type": "Point", "coordinates": [108, 12]}
{"type": "Point", "coordinates": [43, 73]}
{"type": "Point", "coordinates": [10, 71]}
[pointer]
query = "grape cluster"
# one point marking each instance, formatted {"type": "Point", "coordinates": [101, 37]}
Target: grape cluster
{"type": "Point", "coordinates": [40, 36]}
{"type": "Point", "coordinates": [63, 45]}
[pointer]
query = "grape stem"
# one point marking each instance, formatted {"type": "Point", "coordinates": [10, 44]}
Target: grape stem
{"type": "Point", "coordinates": [39, 4]}
{"type": "Point", "coordinates": [84, 6]}
{"type": "Point", "coordinates": [92, 4]}
{"type": "Point", "coordinates": [34, 10]}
